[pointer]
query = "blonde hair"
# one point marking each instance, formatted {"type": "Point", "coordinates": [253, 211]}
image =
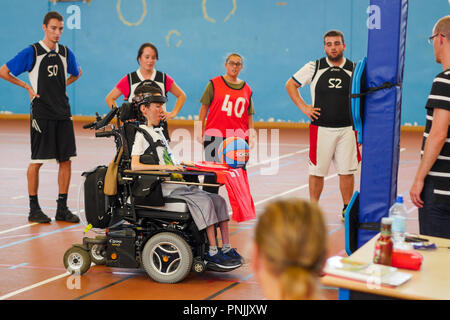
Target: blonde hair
{"type": "Point", "coordinates": [291, 236]}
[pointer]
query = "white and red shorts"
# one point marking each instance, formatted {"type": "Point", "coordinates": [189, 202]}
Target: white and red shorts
{"type": "Point", "coordinates": [333, 144]}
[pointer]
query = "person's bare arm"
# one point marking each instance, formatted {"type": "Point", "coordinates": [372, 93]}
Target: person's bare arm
{"type": "Point", "coordinates": [432, 148]}
{"type": "Point", "coordinates": [72, 78]}
{"type": "Point", "coordinates": [112, 97]}
{"type": "Point", "coordinates": [5, 74]}
{"type": "Point", "coordinates": [292, 89]}
{"type": "Point", "coordinates": [137, 165]}
{"type": "Point", "coordinates": [181, 98]}
{"type": "Point", "coordinates": [202, 118]}
{"type": "Point", "coordinates": [251, 132]}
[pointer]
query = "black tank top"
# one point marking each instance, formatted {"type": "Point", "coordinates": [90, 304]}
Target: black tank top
{"type": "Point", "coordinates": [49, 74]}
{"type": "Point", "coordinates": [331, 94]}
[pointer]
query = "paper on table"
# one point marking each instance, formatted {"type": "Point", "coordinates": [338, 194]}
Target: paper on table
{"type": "Point", "coordinates": [367, 272]}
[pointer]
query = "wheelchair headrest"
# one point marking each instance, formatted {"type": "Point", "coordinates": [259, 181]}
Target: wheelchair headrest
{"type": "Point", "coordinates": [127, 111]}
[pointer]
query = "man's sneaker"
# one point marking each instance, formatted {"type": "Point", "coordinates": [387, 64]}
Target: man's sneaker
{"type": "Point", "coordinates": [233, 254]}
{"type": "Point", "coordinates": [38, 216]}
{"type": "Point", "coordinates": [222, 260]}
{"type": "Point", "coordinates": [65, 215]}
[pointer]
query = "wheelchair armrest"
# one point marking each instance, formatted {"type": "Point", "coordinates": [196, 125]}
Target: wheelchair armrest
{"type": "Point", "coordinates": [146, 172]}
{"type": "Point", "coordinates": [194, 183]}
{"type": "Point", "coordinates": [166, 174]}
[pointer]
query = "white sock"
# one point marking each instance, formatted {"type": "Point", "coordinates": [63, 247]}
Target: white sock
{"type": "Point", "coordinates": [226, 247]}
{"type": "Point", "coordinates": [213, 250]}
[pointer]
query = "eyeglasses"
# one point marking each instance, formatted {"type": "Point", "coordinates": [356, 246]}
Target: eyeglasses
{"type": "Point", "coordinates": [430, 39]}
{"type": "Point", "coordinates": [234, 64]}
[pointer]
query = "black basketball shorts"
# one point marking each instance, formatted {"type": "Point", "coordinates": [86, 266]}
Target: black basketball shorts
{"type": "Point", "coordinates": [52, 140]}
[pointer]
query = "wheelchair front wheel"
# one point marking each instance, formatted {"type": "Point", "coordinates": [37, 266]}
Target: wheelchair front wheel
{"type": "Point", "coordinates": [167, 258]}
{"type": "Point", "coordinates": [77, 260]}
{"type": "Point", "coordinates": [198, 266]}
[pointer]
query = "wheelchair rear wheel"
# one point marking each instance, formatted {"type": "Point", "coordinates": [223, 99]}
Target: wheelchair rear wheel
{"type": "Point", "coordinates": [167, 258]}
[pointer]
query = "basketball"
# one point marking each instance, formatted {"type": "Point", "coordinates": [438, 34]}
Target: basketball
{"type": "Point", "coordinates": [234, 152]}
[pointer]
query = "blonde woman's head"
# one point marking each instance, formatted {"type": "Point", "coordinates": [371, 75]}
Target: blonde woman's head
{"type": "Point", "coordinates": [289, 249]}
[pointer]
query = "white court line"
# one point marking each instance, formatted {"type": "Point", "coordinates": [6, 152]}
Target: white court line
{"type": "Point", "coordinates": [28, 225]}
{"type": "Point", "coordinates": [292, 190]}
{"type": "Point", "coordinates": [67, 274]}
{"type": "Point", "coordinates": [278, 158]}
{"type": "Point", "coordinates": [11, 294]}
{"type": "Point", "coordinates": [18, 197]}
{"type": "Point", "coordinates": [287, 192]}
{"type": "Point", "coordinates": [19, 227]}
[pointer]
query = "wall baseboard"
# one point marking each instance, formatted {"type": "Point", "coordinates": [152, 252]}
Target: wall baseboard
{"type": "Point", "coordinates": [189, 123]}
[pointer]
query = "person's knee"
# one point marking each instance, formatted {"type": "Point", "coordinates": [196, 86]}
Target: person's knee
{"type": "Point", "coordinates": [66, 163]}
{"type": "Point", "coordinates": [316, 178]}
{"type": "Point", "coordinates": [34, 167]}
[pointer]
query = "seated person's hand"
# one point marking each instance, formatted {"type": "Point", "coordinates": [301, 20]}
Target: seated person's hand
{"type": "Point", "coordinates": [175, 168]}
{"type": "Point", "coordinates": [167, 116]}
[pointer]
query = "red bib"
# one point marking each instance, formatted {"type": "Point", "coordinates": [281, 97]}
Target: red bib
{"type": "Point", "coordinates": [228, 112]}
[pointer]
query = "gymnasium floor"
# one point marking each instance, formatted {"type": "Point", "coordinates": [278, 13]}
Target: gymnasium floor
{"type": "Point", "coordinates": [31, 255]}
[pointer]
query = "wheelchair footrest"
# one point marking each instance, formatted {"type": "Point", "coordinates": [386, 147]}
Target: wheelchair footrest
{"type": "Point", "coordinates": [214, 267]}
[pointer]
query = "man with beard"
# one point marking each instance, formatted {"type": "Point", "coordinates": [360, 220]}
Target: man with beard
{"type": "Point", "coordinates": [331, 135]}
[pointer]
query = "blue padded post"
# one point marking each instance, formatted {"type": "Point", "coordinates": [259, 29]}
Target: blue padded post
{"type": "Point", "coordinates": [381, 139]}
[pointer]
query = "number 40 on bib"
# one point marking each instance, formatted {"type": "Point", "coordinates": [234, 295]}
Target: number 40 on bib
{"type": "Point", "coordinates": [238, 107]}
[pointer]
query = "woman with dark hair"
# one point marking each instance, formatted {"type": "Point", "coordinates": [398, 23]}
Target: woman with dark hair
{"type": "Point", "coordinates": [146, 58]}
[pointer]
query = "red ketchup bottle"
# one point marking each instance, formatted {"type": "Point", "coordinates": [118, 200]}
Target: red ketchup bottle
{"type": "Point", "coordinates": [384, 244]}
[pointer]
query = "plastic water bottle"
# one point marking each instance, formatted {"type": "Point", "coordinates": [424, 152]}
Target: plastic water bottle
{"type": "Point", "coordinates": [398, 214]}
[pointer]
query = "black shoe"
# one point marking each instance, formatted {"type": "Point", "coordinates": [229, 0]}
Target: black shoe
{"type": "Point", "coordinates": [343, 213]}
{"type": "Point", "coordinates": [65, 215]}
{"type": "Point", "coordinates": [343, 216]}
{"type": "Point", "coordinates": [222, 260]}
{"type": "Point", "coordinates": [38, 216]}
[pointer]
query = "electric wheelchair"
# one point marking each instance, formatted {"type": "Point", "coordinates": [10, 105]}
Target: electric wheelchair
{"type": "Point", "coordinates": [137, 225]}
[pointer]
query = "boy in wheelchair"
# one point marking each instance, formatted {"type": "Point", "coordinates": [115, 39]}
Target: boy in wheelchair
{"type": "Point", "coordinates": [148, 102]}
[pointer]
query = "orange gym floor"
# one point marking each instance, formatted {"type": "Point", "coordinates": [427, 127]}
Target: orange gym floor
{"type": "Point", "coordinates": [31, 255]}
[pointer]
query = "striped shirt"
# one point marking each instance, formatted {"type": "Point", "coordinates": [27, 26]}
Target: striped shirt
{"type": "Point", "coordinates": [440, 172]}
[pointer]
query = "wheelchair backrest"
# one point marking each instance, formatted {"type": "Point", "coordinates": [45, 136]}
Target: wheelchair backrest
{"type": "Point", "coordinates": [129, 132]}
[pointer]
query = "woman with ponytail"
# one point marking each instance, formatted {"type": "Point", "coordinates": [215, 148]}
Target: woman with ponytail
{"type": "Point", "coordinates": [289, 250]}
